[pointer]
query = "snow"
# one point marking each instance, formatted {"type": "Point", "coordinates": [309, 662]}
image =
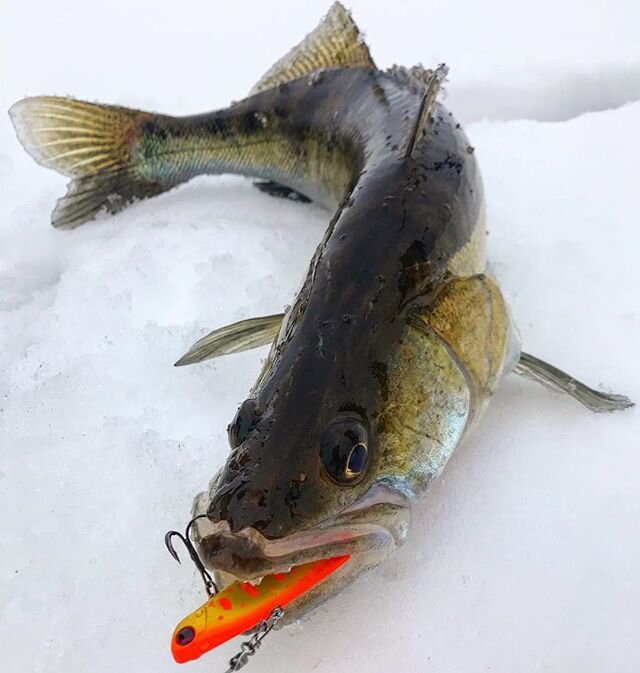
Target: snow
{"type": "Point", "coordinates": [525, 554]}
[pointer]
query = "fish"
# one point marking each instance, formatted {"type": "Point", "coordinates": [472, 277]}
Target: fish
{"type": "Point", "coordinates": [397, 338]}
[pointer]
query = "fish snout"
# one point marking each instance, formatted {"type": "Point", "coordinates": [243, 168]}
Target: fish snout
{"type": "Point", "coordinates": [274, 509]}
{"type": "Point", "coordinates": [241, 506]}
{"type": "Point", "coordinates": [235, 554]}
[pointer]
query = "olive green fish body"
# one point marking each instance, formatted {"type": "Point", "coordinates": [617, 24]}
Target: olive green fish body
{"type": "Point", "coordinates": [397, 338]}
{"type": "Point", "coordinates": [358, 355]}
{"type": "Point", "coordinates": [315, 134]}
{"type": "Point", "coordinates": [386, 253]}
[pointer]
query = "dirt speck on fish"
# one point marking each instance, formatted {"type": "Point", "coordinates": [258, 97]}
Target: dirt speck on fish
{"type": "Point", "coordinates": [398, 337]}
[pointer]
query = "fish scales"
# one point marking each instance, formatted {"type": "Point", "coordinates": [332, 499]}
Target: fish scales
{"type": "Point", "coordinates": [396, 340]}
{"type": "Point", "coordinates": [316, 138]}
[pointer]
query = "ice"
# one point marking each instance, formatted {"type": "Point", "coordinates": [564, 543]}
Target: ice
{"type": "Point", "coordinates": [525, 555]}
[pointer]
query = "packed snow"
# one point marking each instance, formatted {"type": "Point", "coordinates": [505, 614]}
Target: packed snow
{"type": "Point", "coordinates": [525, 555]}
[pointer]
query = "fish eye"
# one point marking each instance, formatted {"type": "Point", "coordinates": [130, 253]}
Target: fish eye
{"type": "Point", "coordinates": [357, 460]}
{"type": "Point", "coordinates": [185, 635]}
{"type": "Point", "coordinates": [243, 422]}
{"type": "Point", "coordinates": [344, 451]}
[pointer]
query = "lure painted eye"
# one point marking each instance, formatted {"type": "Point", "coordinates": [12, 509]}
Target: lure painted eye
{"type": "Point", "coordinates": [344, 451]}
{"type": "Point", "coordinates": [185, 635]}
{"type": "Point", "coordinates": [243, 422]}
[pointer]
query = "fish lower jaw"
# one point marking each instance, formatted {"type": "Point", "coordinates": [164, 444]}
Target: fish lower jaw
{"type": "Point", "coordinates": [364, 549]}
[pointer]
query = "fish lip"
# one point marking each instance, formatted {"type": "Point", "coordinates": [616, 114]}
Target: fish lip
{"type": "Point", "coordinates": [248, 555]}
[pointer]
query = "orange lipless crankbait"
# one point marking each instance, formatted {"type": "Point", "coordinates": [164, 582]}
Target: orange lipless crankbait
{"type": "Point", "coordinates": [243, 605]}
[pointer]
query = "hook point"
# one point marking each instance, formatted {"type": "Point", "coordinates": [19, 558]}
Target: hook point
{"type": "Point", "coordinates": [169, 544]}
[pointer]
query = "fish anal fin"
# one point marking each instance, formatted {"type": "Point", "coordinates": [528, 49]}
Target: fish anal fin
{"type": "Point", "coordinates": [235, 338]}
{"type": "Point", "coordinates": [335, 43]}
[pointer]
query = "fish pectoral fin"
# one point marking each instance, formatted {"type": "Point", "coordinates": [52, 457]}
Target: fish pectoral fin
{"type": "Point", "coordinates": [93, 144]}
{"type": "Point", "coordinates": [280, 191]}
{"type": "Point", "coordinates": [537, 370]}
{"type": "Point", "coordinates": [335, 43]}
{"type": "Point", "coordinates": [235, 338]}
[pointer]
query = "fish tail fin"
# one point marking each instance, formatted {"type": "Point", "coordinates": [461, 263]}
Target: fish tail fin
{"type": "Point", "coordinates": [98, 146]}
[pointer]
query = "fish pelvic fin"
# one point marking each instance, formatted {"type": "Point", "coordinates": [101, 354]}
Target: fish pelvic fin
{"type": "Point", "coordinates": [96, 145]}
{"type": "Point", "coordinates": [335, 43]}
{"type": "Point", "coordinates": [236, 338]}
{"type": "Point", "coordinates": [537, 370]}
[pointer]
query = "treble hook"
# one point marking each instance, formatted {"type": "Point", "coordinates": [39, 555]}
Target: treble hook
{"type": "Point", "coordinates": [210, 586]}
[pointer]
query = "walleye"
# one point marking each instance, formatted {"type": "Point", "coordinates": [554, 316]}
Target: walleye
{"type": "Point", "coordinates": [396, 340]}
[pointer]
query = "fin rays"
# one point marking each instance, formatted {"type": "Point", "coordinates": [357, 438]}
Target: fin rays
{"type": "Point", "coordinates": [335, 42]}
{"type": "Point", "coordinates": [235, 338]}
{"type": "Point", "coordinates": [100, 132]}
{"type": "Point", "coordinates": [105, 149]}
{"type": "Point", "coordinates": [91, 143]}
{"type": "Point", "coordinates": [537, 370]}
{"type": "Point", "coordinates": [422, 122]}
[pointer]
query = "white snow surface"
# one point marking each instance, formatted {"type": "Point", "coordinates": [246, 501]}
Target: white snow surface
{"type": "Point", "coordinates": [525, 555]}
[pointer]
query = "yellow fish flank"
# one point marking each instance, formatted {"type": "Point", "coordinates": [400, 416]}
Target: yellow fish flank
{"type": "Point", "coordinates": [396, 340]}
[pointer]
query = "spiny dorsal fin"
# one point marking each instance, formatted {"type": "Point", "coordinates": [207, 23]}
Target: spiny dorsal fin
{"type": "Point", "coordinates": [335, 43]}
{"type": "Point", "coordinates": [438, 76]}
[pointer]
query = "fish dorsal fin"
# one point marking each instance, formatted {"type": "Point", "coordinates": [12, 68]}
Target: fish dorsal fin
{"type": "Point", "coordinates": [335, 43]}
{"type": "Point", "coordinates": [432, 87]}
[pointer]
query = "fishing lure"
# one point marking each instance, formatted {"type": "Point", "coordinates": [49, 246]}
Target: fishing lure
{"type": "Point", "coordinates": [393, 346]}
{"type": "Point", "coordinates": [243, 605]}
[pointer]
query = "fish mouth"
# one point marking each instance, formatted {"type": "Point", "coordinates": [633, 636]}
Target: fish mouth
{"type": "Point", "coordinates": [367, 531]}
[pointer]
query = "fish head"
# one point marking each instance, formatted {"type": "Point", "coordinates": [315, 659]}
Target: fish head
{"type": "Point", "coordinates": [295, 491]}
{"type": "Point", "coordinates": [294, 463]}
{"type": "Point", "coordinates": [330, 451]}
{"type": "Point", "coordinates": [320, 468]}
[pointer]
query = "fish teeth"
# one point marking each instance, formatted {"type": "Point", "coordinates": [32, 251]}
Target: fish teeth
{"type": "Point", "coordinates": [256, 581]}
